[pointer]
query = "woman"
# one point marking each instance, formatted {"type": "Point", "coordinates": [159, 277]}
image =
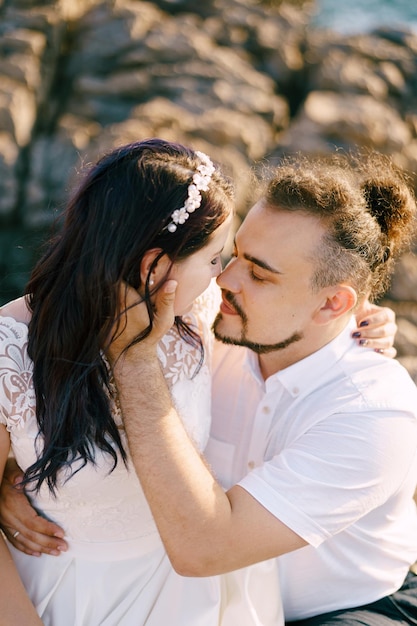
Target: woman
{"type": "Point", "coordinates": [145, 211]}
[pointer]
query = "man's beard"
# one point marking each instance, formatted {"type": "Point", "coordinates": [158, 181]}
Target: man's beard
{"type": "Point", "coordinates": [259, 348]}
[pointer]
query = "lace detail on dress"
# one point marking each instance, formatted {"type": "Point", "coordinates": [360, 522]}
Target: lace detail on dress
{"type": "Point", "coordinates": [17, 396]}
{"type": "Point", "coordinates": [179, 359]}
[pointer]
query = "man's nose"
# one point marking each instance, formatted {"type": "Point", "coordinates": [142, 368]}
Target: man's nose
{"type": "Point", "coordinates": [228, 279]}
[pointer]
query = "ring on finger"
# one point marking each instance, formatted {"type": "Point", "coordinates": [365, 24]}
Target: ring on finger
{"type": "Point", "coordinates": [15, 534]}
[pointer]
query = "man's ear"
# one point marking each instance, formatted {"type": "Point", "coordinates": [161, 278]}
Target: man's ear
{"type": "Point", "coordinates": [158, 271]}
{"type": "Point", "coordinates": [338, 301]}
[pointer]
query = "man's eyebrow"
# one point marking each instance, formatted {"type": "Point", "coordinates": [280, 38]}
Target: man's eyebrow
{"type": "Point", "coordinates": [257, 262]}
{"type": "Point", "coordinates": [261, 263]}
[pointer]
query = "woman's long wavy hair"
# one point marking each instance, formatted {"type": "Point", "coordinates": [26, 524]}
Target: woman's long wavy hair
{"type": "Point", "coordinates": [119, 211]}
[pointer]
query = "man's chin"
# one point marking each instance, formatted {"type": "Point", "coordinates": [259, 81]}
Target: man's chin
{"type": "Point", "coordinates": [227, 336]}
{"type": "Point", "coordinates": [222, 335]}
{"type": "Point", "coordinates": [259, 348]}
{"type": "Point", "coordinates": [231, 341]}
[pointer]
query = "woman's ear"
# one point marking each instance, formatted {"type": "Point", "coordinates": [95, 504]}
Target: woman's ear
{"type": "Point", "coordinates": [339, 301]}
{"type": "Point", "coordinates": [158, 271]}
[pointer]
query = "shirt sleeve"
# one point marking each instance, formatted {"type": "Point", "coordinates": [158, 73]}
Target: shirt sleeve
{"type": "Point", "coordinates": [17, 397]}
{"type": "Point", "coordinates": [338, 472]}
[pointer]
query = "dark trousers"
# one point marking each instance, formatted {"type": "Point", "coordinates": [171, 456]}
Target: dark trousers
{"type": "Point", "coordinates": [398, 608]}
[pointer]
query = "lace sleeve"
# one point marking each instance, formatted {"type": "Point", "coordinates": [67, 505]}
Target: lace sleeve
{"type": "Point", "coordinates": [17, 396]}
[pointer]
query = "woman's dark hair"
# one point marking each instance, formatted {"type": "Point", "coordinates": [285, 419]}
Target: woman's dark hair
{"type": "Point", "coordinates": [119, 211]}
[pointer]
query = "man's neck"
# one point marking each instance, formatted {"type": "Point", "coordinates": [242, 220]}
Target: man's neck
{"type": "Point", "coordinates": [273, 362]}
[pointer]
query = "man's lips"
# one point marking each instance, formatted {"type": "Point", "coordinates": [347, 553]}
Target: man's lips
{"type": "Point", "coordinates": [226, 307]}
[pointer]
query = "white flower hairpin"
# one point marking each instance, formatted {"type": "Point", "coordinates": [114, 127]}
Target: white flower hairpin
{"type": "Point", "coordinates": [199, 183]}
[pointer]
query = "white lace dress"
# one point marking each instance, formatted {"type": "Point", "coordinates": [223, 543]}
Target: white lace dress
{"type": "Point", "coordinates": [116, 572]}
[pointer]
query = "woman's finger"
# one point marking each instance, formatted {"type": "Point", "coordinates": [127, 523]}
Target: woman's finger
{"type": "Point", "coordinates": [34, 543]}
{"type": "Point", "coordinates": [24, 528]}
{"type": "Point", "coordinates": [387, 331]}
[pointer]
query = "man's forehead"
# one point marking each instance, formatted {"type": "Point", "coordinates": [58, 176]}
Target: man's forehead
{"type": "Point", "coordinates": [272, 224]}
{"type": "Point", "coordinates": [277, 245]}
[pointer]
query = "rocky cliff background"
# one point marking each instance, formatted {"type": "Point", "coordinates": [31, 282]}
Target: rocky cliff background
{"type": "Point", "coordinates": [246, 81]}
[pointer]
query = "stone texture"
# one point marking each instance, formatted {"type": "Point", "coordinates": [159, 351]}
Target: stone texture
{"type": "Point", "coordinates": [244, 80]}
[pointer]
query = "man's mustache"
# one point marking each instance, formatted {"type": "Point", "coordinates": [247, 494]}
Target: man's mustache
{"type": "Point", "coordinates": [231, 300]}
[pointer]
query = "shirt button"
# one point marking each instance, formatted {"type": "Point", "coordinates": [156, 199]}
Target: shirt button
{"type": "Point", "coordinates": [266, 410]}
{"type": "Point", "coordinates": [251, 464]}
{"type": "Point", "coordinates": [296, 391]}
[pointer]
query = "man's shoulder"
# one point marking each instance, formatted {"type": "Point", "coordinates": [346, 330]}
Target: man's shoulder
{"type": "Point", "coordinates": [352, 380]}
{"type": "Point", "coordinates": [368, 363]}
{"type": "Point", "coordinates": [380, 381]}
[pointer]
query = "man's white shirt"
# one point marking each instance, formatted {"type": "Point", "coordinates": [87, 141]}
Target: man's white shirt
{"type": "Point", "coordinates": [328, 446]}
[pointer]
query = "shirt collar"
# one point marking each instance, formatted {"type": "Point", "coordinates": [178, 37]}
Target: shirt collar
{"type": "Point", "coordinates": [306, 374]}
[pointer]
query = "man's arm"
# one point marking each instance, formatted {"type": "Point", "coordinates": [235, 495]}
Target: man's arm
{"type": "Point", "coordinates": [205, 530]}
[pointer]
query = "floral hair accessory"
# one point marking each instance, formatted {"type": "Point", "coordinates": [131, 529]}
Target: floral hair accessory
{"type": "Point", "coordinates": [199, 183]}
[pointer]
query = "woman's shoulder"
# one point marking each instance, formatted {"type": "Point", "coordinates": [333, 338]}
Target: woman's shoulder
{"type": "Point", "coordinates": [14, 322]}
{"type": "Point", "coordinates": [17, 398]}
{"type": "Point", "coordinates": [17, 310]}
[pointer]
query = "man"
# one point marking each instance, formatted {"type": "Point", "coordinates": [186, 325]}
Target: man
{"type": "Point", "coordinates": [331, 433]}
{"type": "Point", "coordinates": [327, 433]}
